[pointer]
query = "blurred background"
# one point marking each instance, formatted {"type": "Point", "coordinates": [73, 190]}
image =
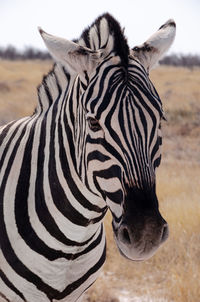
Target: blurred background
{"type": "Point", "coordinates": [173, 274]}
{"type": "Point", "coordinates": [20, 19]}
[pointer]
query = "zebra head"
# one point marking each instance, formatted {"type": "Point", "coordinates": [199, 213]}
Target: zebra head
{"type": "Point", "coordinates": [117, 127]}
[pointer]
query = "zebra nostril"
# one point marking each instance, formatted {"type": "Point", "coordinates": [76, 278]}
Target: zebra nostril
{"type": "Point", "coordinates": [126, 236]}
{"type": "Point", "coordinates": [165, 233]}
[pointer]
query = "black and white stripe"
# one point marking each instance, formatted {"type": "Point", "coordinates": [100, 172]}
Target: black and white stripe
{"type": "Point", "coordinates": [93, 137]}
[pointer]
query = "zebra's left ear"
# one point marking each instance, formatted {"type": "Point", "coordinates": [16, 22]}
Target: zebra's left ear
{"type": "Point", "coordinates": [77, 57]}
{"type": "Point", "coordinates": [151, 51]}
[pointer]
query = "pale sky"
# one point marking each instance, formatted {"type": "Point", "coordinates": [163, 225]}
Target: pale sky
{"type": "Point", "coordinates": [19, 20]}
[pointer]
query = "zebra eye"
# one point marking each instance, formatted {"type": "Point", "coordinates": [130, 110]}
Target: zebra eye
{"type": "Point", "coordinates": [136, 48]}
{"type": "Point", "coordinates": [93, 124]}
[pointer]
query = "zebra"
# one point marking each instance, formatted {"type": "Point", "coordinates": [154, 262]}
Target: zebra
{"type": "Point", "coordinates": [92, 144]}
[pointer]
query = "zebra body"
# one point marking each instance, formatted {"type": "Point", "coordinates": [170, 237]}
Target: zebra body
{"type": "Point", "coordinates": [75, 157]}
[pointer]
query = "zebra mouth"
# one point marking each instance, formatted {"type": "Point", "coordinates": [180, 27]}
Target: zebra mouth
{"type": "Point", "coordinates": [139, 249]}
{"type": "Point", "coordinates": [125, 256]}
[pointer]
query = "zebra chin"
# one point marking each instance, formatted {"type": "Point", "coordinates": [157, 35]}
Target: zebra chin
{"type": "Point", "coordinates": [140, 245]}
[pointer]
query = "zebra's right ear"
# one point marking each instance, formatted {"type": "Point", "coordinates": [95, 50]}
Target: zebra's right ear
{"type": "Point", "coordinates": [77, 57]}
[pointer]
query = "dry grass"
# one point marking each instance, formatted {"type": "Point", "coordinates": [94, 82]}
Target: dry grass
{"type": "Point", "coordinates": [173, 274]}
{"type": "Point", "coordinates": [18, 82]}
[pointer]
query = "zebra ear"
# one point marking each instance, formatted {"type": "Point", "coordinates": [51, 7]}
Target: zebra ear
{"type": "Point", "coordinates": [77, 57]}
{"type": "Point", "coordinates": [151, 51]}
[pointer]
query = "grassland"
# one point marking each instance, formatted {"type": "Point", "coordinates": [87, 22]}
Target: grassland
{"type": "Point", "coordinates": [173, 274]}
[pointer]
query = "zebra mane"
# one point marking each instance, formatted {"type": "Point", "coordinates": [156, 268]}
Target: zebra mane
{"type": "Point", "coordinates": [98, 34]}
{"type": "Point", "coordinates": [51, 87]}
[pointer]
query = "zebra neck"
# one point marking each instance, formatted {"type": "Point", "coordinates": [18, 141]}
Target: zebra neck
{"type": "Point", "coordinates": [59, 96]}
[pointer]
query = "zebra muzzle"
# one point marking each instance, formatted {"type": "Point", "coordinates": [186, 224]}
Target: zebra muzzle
{"type": "Point", "coordinates": [140, 243]}
{"type": "Point", "coordinates": [141, 229]}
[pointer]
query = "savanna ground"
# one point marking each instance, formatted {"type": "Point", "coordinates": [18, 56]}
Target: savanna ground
{"type": "Point", "coordinates": [173, 274]}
